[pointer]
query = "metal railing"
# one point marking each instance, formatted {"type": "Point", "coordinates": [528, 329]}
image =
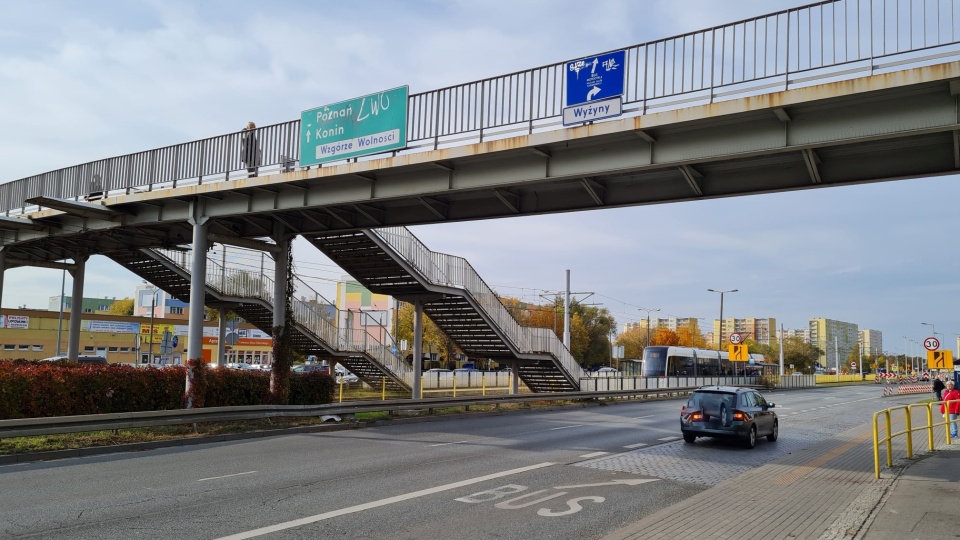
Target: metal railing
{"type": "Point", "coordinates": [311, 310]}
{"type": "Point", "coordinates": [829, 40]}
{"type": "Point", "coordinates": [456, 272]}
{"type": "Point", "coordinates": [899, 421]}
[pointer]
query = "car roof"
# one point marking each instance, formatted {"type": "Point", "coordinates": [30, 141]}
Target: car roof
{"type": "Point", "coordinates": [731, 389]}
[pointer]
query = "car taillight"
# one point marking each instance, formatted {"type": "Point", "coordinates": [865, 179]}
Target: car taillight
{"type": "Point", "coordinates": [696, 417]}
{"type": "Point", "coordinates": [740, 415]}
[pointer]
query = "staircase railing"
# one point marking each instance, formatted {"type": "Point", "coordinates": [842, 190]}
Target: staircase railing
{"type": "Point", "coordinates": [448, 270]}
{"type": "Point", "coordinates": [310, 309]}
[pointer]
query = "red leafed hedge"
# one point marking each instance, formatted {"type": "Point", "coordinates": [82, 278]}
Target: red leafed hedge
{"type": "Point", "coordinates": [35, 389]}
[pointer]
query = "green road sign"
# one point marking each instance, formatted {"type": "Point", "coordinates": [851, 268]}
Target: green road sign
{"type": "Point", "coordinates": [356, 127]}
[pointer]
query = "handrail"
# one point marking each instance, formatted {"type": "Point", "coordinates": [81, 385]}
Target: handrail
{"type": "Point", "coordinates": [907, 431]}
{"type": "Point", "coordinates": [307, 307]}
{"type": "Point", "coordinates": [768, 53]}
{"type": "Point", "coordinates": [451, 271]}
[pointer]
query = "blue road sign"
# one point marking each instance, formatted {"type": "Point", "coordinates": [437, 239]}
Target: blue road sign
{"type": "Point", "coordinates": [176, 340]}
{"type": "Point", "coordinates": [596, 78]}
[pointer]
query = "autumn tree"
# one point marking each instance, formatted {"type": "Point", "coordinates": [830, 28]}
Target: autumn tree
{"type": "Point", "coordinates": [433, 338]}
{"type": "Point", "coordinates": [665, 337]}
{"type": "Point", "coordinates": [124, 306]}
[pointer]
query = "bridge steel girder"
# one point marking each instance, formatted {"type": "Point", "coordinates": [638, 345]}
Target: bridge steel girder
{"type": "Point", "coordinates": [882, 127]}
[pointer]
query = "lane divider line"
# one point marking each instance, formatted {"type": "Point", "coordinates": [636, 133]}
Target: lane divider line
{"type": "Point", "coordinates": [225, 476]}
{"type": "Point", "coordinates": [594, 454]}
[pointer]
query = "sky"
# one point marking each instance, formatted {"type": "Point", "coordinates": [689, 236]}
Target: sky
{"type": "Point", "coordinates": [81, 81]}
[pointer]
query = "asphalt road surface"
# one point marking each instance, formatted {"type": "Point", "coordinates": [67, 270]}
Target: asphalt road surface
{"type": "Point", "coordinates": [572, 472]}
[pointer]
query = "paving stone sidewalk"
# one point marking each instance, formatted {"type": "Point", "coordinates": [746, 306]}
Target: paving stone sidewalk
{"type": "Point", "coordinates": [827, 493]}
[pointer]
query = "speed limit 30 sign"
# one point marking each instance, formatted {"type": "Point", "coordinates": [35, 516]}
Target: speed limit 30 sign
{"type": "Point", "coordinates": [931, 344]}
{"type": "Point", "coordinates": [736, 338]}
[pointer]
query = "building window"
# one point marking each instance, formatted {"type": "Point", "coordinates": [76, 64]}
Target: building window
{"type": "Point", "coordinates": [112, 349]}
{"type": "Point", "coordinates": [88, 310]}
{"type": "Point", "coordinates": [124, 349]}
{"type": "Point", "coordinates": [176, 311]}
{"type": "Point", "coordinates": [103, 307]}
{"type": "Point", "coordinates": [88, 349]}
{"type": "Point", "coordinates": [37, 347]}
{"type": "Point", "coordinates": [23, 347]}
{"type": "Point", "coordinates": [9, 347]}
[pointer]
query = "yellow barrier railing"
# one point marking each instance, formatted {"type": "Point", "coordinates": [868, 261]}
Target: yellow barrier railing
{"type": "Point", "coordinates": [821, 379]}
{"type": "Point", "coordinates": [907, 431]}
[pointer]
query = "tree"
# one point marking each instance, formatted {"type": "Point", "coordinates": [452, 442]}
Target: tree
{"type": "Point", "coordinates": [433, 338]}
{"type": "Point", "coordinates": [802, 355]}
{"type": "Point", "coordinates": [633, 341]}
{"type": "Point", "coordinates": [123, 306]}
{"type": "Point", "coordinates": [665, 337]}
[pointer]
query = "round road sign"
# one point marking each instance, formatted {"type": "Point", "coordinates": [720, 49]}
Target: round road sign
{"type": "Point", "coordinates": [736, 338]}
{"type": "Point", "coordinates": [931, 344]}
{"type": "Point", "coordinates": [853, 365]}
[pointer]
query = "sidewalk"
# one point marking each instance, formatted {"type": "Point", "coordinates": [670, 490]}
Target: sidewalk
{"type": "Point", "coordinates": [823, 494]}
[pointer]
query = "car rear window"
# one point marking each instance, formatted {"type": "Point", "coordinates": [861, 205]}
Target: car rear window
{"type": "Point", "coordinates": [710, 401]}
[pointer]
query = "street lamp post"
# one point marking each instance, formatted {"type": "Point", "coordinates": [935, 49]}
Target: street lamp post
{"type": "Point", "coordinates": [720, 327]}
{"type": "Point", "coordinates": [648, 310]}
{"type": "Point", "coordinates": [153, 311]}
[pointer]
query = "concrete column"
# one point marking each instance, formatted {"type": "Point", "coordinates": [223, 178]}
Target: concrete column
{"type": "Point", "coordinates": [76, 308]}
{"type": "Point", "coordinates": [3, 269]}
{"type": "Point", "coordinates": [222, 337]}
{"type": "Point", "coordinates": [198, 281]}
{"type": "Point", "coordinates": [417, 347]}
{"type": "Point", "coordinates": [280, 279]}
{"type": "Point", "coordinates": [515, 379]}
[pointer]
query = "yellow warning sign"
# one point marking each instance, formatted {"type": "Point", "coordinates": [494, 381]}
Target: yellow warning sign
{"type": "Point", "coordinates": [738, 353]}
{"type": "Point", "coordinates": [940, 359]}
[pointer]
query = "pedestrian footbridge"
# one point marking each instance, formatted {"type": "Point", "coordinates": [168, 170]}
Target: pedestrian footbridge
{"type": "Point", "coordinates": [835, 93]}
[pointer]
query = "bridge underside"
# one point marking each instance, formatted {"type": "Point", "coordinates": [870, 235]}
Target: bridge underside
{"type": "Point", "coordinates": [883, 127]}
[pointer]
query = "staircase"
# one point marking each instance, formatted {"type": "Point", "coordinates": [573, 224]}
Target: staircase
{"type": "Point", "coordinates": [249, 293]}
{"type": "Point", "coordinates": [393, 261]}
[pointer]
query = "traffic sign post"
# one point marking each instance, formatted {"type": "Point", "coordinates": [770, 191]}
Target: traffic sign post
{"type": "Point", "coordinates": [594, 88]}
{"type": "Point", "coordinates": [356, 127]}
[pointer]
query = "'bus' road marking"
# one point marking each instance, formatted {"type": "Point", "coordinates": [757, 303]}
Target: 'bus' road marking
{"type": "Point", "coordinates": [564, 427]}
{"type": "Point", "coordinates": [449, 443]}
{"type": "Point", "coordinates": [638, 445]}
{"type": "Point", "coordinates": [382, 502]}
{"type": "Point", "coordinates": [594, 454]}
{"type": "Point", "coordinates": [225, 476]}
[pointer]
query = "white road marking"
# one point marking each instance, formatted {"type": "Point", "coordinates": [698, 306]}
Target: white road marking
{"type": "Point", "coordinates": [594, 454]}
{"type": "Point", "coordinates": [382, 502]}
{"type": "Point", "coordinates": [642, 417]}
{"type": "Point", "coordinates": [225, 476]}
{"type": "Point", "coordinates": [449, 443]}
{"type": "Point", "coordinates": [565, 427]}
{"type": "Point", "coordinates": [622, 482]}
{"type": "Point", "coordinates": [666, 439]}
{"type": "Point", "coordinates": [638, 445]}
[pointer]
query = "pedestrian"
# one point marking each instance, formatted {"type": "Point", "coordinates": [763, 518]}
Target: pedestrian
{"type": "Point", "coordinates": [938, 387]}
{"type": "Point", "coordinates": [250, 149]}
{"type": "Point", "coordinates": [952, 404]}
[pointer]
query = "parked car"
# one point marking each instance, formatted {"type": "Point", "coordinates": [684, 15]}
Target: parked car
{"type": "Point", "coordinates": [80, 359]}
{"type": "Point", "coordinates": [437, 370]}
{"type": "Point", "coordinates": [307, 368]}
{"type": "Point", "coordinates": [730, 412]}
{"type": "Point", "coordinates": [347, 378]}
{"type": "Point", "coordinates": [606, 372]}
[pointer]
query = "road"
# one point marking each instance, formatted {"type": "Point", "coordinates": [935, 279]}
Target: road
{"type": "Point", "coordinates": [572, 472]}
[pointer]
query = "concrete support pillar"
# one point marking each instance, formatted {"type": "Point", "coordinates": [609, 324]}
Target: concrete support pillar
{"type": "Point", "coordinates": [76, 308]}
{"type": "Point", "coordinates": [198, 274]}
{"type": "Point", "coordinates": [280, 279]}
{"type": "Point", "coordinates": [515, 379]}
{"type": "Point", "coordinates": [222, 337]}
{"type": "Point", "coordinates": [417, 348]}
{"type": "Point", "coordinates": [3, 269]}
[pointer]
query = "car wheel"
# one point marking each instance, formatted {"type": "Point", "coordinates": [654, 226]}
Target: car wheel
{"type": "Point", "coordinates": [751, 439]}
{"type": "Point", "coordinates": [773, 434]}
{"type": "Point", "coordinates": [689, 438]}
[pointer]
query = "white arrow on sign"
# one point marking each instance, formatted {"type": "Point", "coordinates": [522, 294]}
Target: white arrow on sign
{"type": "Point", "coordinates": [593, 91]}
{"type": "Point", "coordinates": [623, 482]}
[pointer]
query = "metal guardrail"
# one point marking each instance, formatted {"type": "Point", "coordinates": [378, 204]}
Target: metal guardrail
{"type": "Point", "coordinates": [906, 422]}
{"type": "Point", "coordinates": [27, 427]}
{"type": "Point", "coordinates": [825, 40]}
